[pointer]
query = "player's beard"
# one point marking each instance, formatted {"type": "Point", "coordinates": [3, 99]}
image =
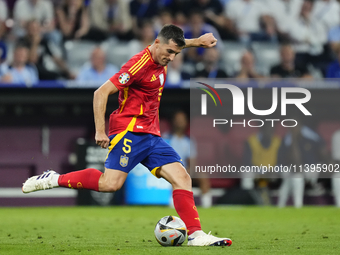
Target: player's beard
{"type": "Point", "coordinates": [166, 62]}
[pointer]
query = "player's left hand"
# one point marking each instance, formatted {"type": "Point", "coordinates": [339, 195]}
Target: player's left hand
{"type": "Point", "coordinates": [207, 40]}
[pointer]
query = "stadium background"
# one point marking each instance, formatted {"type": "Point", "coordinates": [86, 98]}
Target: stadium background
{"type": "Point", "coordinates": [42, 122]}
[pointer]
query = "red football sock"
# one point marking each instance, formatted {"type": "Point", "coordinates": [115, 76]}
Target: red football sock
{"type": "Point", "coordinates": [186, 209]}
{"type": "Point", "coordinates": [84, 179]}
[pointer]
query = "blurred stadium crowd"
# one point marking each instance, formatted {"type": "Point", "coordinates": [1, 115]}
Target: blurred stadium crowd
{"type": "Point", "coordinates": [89, 40]}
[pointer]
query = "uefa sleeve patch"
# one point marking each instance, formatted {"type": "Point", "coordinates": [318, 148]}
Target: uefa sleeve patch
{"type": "Point", "coordinates": [124, 78]}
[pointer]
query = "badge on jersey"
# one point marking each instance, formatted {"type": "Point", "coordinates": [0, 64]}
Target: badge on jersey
{"type": "Point", "coordinates": [124, 78]}
{"type": "Point", "coordinates": [124, 160]}
{"type": "Point", "coordinates": [161, 78]}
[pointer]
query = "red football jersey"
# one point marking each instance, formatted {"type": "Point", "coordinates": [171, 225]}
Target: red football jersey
{"type": "Point", "coordinates": [140, 83]}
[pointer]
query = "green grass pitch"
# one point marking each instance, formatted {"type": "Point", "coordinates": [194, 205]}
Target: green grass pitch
{"type": "Point", "coordinates": [129, 230]}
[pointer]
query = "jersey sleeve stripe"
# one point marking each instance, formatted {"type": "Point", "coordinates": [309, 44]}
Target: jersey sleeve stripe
{"type": "Point", "coordinates": [141, 66]}
{"type": "Point", "coordinates": [138, 62]}
{"type": "Point", "coordinates": [125, 98]}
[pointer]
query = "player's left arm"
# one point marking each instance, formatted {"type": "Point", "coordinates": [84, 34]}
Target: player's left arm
{"type": "Point", "coordinates": [207, 40]}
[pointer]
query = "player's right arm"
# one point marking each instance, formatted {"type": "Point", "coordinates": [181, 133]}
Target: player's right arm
{"type": "Point", "coordinates": [117, 82]}
{"type": "Point", "coordinates": [99, 108]}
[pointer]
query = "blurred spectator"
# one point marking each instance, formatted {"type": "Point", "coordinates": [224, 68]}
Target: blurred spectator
{"type": "Point", "coordinates": [73, 19]}
{"type": "Point", "coordinates": [3, 51]}
{"type": "Point", "coordinates": [186, 149]}
{"type": "Point", "coordinates": [210, 66]}
{"type": "Point", "coordinates": [213, 14]}
{"type": "Point", "coordinates": [300, 146]}
{"type": "Point", "coordinates": [175, 73]}
{"type": "Point", "coordinates": [282, 12]}
{"type": "Point", "coordinates": [336, 160]}
{"type": "Point", "coordinates": [3, 47]}
{"type": "Point", "coordinates": [4, 73]}
{"type": "Point", "coordinates": [146, 36]}
{"type": "Point", "coordinates": [111, 17]}
{"type": "Point", "coordinates": [334, 38]}
{"type": "Point", "coordinates": [164, 17]}
{"type": "Point", "coordinates": [225, 1]}
{"type": "Point", "coordinates": [287, 68]}
{"type": "Point", "coordinates": [195, 28]}
{"type": "Point", "coordinates": [98, 70]}
{"type": "Point", "coordinates": [4, 77]}
{"type": "Point", "coordinates": [177, 7]}
{"type": "Point", "coordinates": [309, 37]}
{"type": "Point", "coordinates": [141, 10]}
{"type": "Point", "coordinates": [260, 149]}
{"type": "Point", "coordinates": [43, 54]}
{"type": "Point", "coordinates": [3, 11]}
{"type": "Point", "coordinates": [249, 28]}
{"type": "Point", "coordinates": [3, 17]}
{"type": "Point", "coordinates": [248, 67]}
{"type": "Point", "coordinates": [212, 9]}
{"type": "Point", "coordinates": [327, 12]}
{"type": "Point", "coordinates": [333, 70]}
{"type": "Point", "coordinates": [26, 10]}
{"type": "Point", "coordinates": [20, 72]}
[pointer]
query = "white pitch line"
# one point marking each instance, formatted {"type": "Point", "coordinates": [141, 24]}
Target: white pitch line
{"type": "Point", "coordinates": [215, 192]}
{"type": "Point", "coordinates": [17, 193]}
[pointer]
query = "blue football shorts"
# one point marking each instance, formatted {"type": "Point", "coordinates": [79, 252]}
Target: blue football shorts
{"type": "Point", "coordinates": [127, 149]}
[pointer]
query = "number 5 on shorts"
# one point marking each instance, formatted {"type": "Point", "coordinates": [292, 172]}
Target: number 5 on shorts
{"type": "Point", "coordinates": [127, 147]}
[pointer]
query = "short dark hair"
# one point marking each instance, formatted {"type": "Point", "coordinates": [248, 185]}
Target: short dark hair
{"type": "Point", "coordinates": [174, 33]}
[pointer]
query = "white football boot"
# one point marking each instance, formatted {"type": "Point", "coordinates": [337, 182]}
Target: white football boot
{"type": "Point", "coordinates": [199, 238]}
{"type": "Point", "coordinates": [47, 180]}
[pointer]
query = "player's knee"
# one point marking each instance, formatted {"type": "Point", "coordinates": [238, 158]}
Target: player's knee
{"type": "Point", "coordinates": [184, 176]}
{"type": "Point", "coordinates": [183, 180]}
{"type": "Point", "coordinates": [187, 179]}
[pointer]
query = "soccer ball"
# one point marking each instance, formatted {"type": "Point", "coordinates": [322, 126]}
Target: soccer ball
{"type": "Point", "coordinates": [170, 231]}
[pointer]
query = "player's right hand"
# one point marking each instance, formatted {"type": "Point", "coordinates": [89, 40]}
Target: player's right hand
{"type": "Point", "coordinates": [102, 140]}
